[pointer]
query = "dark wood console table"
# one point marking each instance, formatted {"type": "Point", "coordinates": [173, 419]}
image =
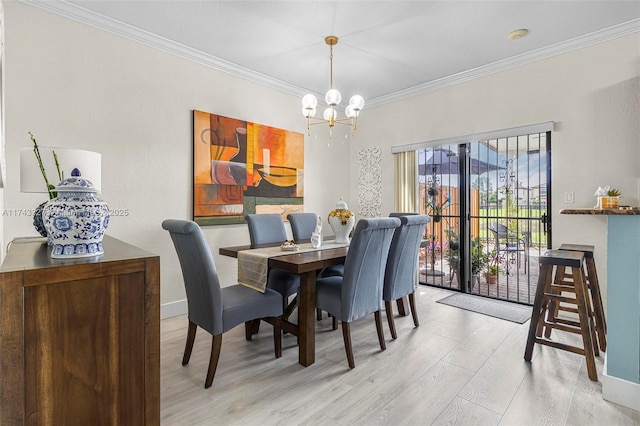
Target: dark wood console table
{"type": "Point", "coordinates": [79, 338]}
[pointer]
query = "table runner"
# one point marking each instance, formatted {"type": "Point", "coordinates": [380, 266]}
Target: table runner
{"type": "Point", "coordinates": [253, 264]}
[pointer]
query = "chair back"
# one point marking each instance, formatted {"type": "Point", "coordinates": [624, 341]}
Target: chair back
{"type": "Point", "coordinates": [266, 228]}
{"type": "Point", "coordinates": [302, 225]}
{"type": "Point", "coordinates": [201, 283]}
{"type": "Point", "coordinates": [402, 263]}
{"type": "Point", "coordinates": [498, 232]}
{"type": "Point", "coordinates": [400, 214]}
{"type": "Point", "coordinates": [364, 267]}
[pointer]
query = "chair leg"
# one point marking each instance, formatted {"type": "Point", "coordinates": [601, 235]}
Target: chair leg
{"type": "Point", "coordinates": [191, 337]}
{"type": "Point", "coordinates": [318, 314]}
{"type": "Point", "coordinates": [277, 336]}
{"type": "Point", "coordinates": [334, 322]}
{"type": "Point", "coordinates": [412, 305]}
{"type": "Point", "coordinates": [378, 316]}
{"type": "Point", "coordinates": [248, 326]}
{"type": "Point", "coordinates": [388, 308]}
{"type": "Point", "coordinates": [213, 360]}
{"type": "Point", "coordinates": [346, 335]}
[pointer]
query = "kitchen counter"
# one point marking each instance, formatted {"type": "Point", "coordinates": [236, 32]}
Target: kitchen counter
{"type": "Point", "coordinates": [632, 211]}
{"type": "Point", "coordinates": [621, 375]}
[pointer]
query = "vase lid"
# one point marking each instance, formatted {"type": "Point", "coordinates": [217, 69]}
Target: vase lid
{"type": "Point", "coordinates": [76, 184]}
{"type": "Point", "coordinates": [341, 205]}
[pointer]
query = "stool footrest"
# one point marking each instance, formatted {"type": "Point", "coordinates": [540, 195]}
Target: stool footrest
{"type": "Point", "coordinates": [559, 298]}
{"type": "Point", "coordinates": [575, 324]}
{"type": "Point", "coordinates": [558, 345]}
{"type": "Point", "coordinates": [567, 309]}
{"type": "Point", "coordinates": [564, 286]}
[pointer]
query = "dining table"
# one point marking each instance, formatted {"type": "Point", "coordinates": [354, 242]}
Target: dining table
{"type": "Point", "coordinates": [307, 264]}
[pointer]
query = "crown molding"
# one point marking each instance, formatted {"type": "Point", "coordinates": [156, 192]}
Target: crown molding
{"type": "Point", "coordinates": [596, 37]}
{"type": "Point", "coordinates": [85, 16]}
{"type": "Point", "coordinates": [80, 14]}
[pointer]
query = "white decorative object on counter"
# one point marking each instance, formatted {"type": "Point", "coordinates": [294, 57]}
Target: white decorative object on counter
{"type": "Point", "coordinates": [342, 221]}
{"type": "Point", "coordinates": [76, 220]}
{"type": "Point", "coordinates": [316, 235]}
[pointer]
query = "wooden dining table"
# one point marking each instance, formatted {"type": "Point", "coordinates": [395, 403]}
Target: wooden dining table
{"type": "Point", "coordinates": [306, 264]}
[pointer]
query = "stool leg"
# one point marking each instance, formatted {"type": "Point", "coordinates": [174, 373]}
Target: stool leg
{"type": "Point", "coordinates": [581, 294]}
{"type": "Point", "coordinates": [596, 300]}
{"type": "Point", "coordinates": [538, 310]}
{"type": "Point", "coordinates": [554, 307]}
{"type": "Point", "coordinates": [592, 319]}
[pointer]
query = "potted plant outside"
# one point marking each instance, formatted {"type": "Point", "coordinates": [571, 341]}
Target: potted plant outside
{"type": "Point", "coordinates": [493, 269]}
{"type": "Point", "coordinates": [452, 254]}
{"type": "Point", "coordinates": [437, 208]}
{"type": "Point", "coordinates": [479, 259]}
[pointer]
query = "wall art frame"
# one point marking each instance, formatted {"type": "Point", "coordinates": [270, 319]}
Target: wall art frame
{"type": "Point", "coordinates": [241, 167]}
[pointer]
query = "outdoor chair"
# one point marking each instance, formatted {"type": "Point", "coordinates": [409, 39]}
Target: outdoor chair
{"type": "Point", "coordinates": [510, 245]}
{"type": "Point", "coordinates": [402, 266]}
{"type": "Point", "coordinates": [358, 292]}
{"type": "Point", "coordinates": [215, 309]}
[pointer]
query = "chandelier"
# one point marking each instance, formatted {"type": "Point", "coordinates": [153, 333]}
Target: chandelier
{"type": "Point", "coordinates": [333, 98]}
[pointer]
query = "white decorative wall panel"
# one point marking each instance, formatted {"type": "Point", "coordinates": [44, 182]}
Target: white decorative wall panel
{"type": "Point", "coordinates": [369, 182]}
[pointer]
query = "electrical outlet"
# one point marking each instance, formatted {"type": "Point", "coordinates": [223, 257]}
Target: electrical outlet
{"type": "Point", "coordinates": [568, 197]}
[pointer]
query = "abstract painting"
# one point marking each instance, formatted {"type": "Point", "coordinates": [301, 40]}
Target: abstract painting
{"type": "Point", "coordinates": [240, 167]}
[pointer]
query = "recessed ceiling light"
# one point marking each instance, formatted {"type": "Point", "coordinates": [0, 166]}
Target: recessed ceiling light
{"type": "Point", "coordinates": [516, 34]}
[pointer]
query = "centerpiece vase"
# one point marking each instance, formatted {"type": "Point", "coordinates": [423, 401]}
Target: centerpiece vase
{"type": "Point", "coordinates": [342, 222]}
{"type": "Point", "coordinates": [342, 231]}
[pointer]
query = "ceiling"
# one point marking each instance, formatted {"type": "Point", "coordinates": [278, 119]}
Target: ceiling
{"type": "Point", "coordinates": [387, 49]}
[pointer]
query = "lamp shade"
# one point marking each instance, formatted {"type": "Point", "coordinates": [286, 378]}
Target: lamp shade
{"type": "Point", "coordinates": [31, 180]}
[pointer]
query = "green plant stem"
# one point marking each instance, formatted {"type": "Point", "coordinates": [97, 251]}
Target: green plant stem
{"type": "Point", "coordinates": [55, 157]}
{"type": "Point", "coordinates": [36, 151]}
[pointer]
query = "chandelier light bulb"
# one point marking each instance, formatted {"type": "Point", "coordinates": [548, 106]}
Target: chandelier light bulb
{"type": "Point", "coordinates": [357, 102]}
{"type": "Point", "coordinates": [350, 112]}
{"type": "Point", "coordinates": [309, 101]}
{"type": "Point", "coordinates": [333, 97]}
{"type": "Point", "coordinates": [308, 112]}
{"type": "Point", "coordinates": [330, 114]}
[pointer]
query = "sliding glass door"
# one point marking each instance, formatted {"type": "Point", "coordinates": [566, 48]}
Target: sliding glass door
{"type": "Point", "coordinates": [489, 203]}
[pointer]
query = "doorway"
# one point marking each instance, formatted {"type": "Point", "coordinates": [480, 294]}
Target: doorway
{"type": "Point", "coordinates": [489, 202]}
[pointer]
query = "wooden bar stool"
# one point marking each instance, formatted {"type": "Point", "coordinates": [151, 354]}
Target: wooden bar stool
{"type": "Point", "coordinates": [549, 294]}
{"type": "Point", "coordinates": [596, 307]}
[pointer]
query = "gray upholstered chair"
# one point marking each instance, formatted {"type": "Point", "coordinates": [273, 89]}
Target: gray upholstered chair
{"type": "Point", "coordinates": [269, 229]}
{"type": "Point", "coordinates": [359, 291]}
{"type": "Point", "coordinates": [402, 266]}
{"type": "Point", "coordinates": [302, 226]}
{"type": "Point", "coordinates": [212, 308]}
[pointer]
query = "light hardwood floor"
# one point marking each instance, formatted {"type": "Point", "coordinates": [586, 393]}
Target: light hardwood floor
{"type": "Point", "coordinates": [457, 367]}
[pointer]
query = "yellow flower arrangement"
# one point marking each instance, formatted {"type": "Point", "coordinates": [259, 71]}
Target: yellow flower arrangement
{"type": "Point", "coordinates": [343, 214]}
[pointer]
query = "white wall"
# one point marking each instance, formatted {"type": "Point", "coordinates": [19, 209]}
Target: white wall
{"type": "Point", "coordinates": [590, 93]}
{"type": "Point", "coordinates": [73, 85]}
{"type": "Point", "coordinates": [76, 86]}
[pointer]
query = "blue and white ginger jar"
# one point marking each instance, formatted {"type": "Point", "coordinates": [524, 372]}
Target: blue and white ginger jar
{"type": "Point", "coordinates": [76, 219]}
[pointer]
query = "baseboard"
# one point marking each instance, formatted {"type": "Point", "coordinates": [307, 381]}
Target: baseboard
{"type": "Point", "coordinates": [173, 309]}
{"type": "Point", "coordinates": [619, 390]}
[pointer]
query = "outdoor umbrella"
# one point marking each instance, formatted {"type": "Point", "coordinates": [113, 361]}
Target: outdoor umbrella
{"type": "Point", "coordinates": [446, 162]}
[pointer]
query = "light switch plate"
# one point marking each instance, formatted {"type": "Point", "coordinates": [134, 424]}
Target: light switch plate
{"type": "Point", "coordinates": [568, 197]}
